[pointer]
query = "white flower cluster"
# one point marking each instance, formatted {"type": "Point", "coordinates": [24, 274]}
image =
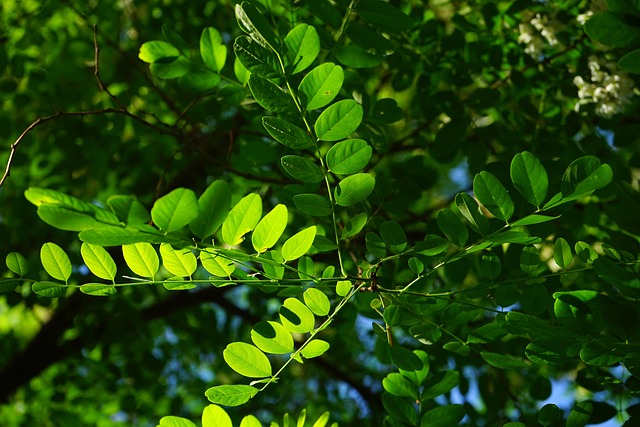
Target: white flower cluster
{"type": "Point", "coordinates": [611, 90]}
{"type": "Point", "coordinates": [540, 30]}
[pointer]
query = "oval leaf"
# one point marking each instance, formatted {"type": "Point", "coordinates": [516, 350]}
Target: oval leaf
{"type": "Point", "coordinates": [49, 289]}
{"type": "Point", "coordinates": [230, 395]}
{"type": "Point", "coordinates": [247, 360]}
{"type": "Point", "coordinates": [315, 348]}
{"type": "Point", "coordinates": [296, 317]}
{"type": "Point", "coordinates": [269, 95]}
{"type": "Point", "coordinates": [312, 204]}
{"type": "Point", "coordinates": [173, 211]}
{"type": "Point", "coordinates": [303, 46]}
{"type": "Point", "coordinates": [529, 177]}
{"type": "Point", "coordinates": [492, 194]}
{"type": "Point", "coordinates": [142, 259]}
{"type": "Point", "coordinates": [302, 169]}
{"type": "Point", "coordinates": [243, 218]}
{"type": "Point", "coordinates": [298, 244]}
{"type": "Point", "coordinates": [272, 337]}
{"type": "Point", "coordinates": [212, 51]}
{"type": "Point", "coordinates": [55, 261]}
{"type": "Point", "coordinates": [270, 228]}
{"type": "Point", "coordinates": [17, 263]}
{"type": "Point", "coordinates": [98, 289]}
{"type": "Point", "coordinates": [354, 189]}
{"type": "Point", "coordinates": [180, 262]}
{"type": "Point", "coordinates": [453, 227]}
{"type": "Point", "coordinates": [562, 253]}
{"type": "Point", "coordinates": [320, 86]}
{"type": "Point", "coordinates": [98, 261]}
{"type": "Point", "coordinates": [215, 416]}
{"type": "Point", "coordinates": [339, 120]}
{"type": "Point", "coordinates": [470, 210]}
{"type": "Point", "coordinates": [216, 264]}
{"type": "Point", "coordinates": [317, 301]}
{"type": "Point", "coordinates": [287, 133]}
{"type": "Point", "coordinates": [213, 207]}
{"type": "Point", "coordinates": [348, 157]}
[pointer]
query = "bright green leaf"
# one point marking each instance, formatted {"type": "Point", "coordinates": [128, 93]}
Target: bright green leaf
{"type": "Point", "coordinates": [173, 211]}
{"type": "Point", "coordinates": [296, 317]}
{"type": "Point", "coordinates": [321, 85]}
{"type": "Point", "coordinates": [242, 219]}
{"type": "Point", "coordinates": [354, 189]}
{"type": "Point", "coordinates": [17, 263]}
{"type": "Point", "coordinates": [217, 265]}
{"type": "Point", "coordinates": [349, 156]}
{"type": "Point", "coordinates": [212, 51]}
{"type": "Point", "coordinates": [272, 337]}
{"type": "Point", "coordinates": [315, 348]}
{"type": "Point", "coordinates": [343, 287]}
{"type": "Point", "coordinates": [398, 385]}
{"type": "Point", "coordinates": [155, 51]}
{"type": "Point", "coordinates": [339, 120]}
{"type": "Point", "coordinates": [298, 244]}
{"type": "Point", "coordinates": [142, 259]}
{"type": "Point", "coordinates": [270, 228]}
{"type": "Point", "coordinates": [49, 289]}
{"type": "Point", "coordinates": [247, 360]}
{"type": "Point", "coordinates": [443, 416]}
{"type": "Point", "coordinates": [529, 177]}
{"type": "Point", "coordinates": [231, 395]}
{"type": "Point", "coordinates": [171, 421]}
{"type": "Point", "coordinates": [213, 207]}
{"type": "Point", "coordinates": [562, 253]}
{"type": "Point", "coordinates": [98, 289]}
{"type": "Point", "coordinates": [317, 301]}
{"type": "Point", "coordinates": [55, 261]}
{"type": "Point", "coordinates": [354, 226]}
{"type": "Point", "coordinates": [492, 194]}
{"type": "Point", "coordinates": [250, 421]}
{"type": "Point", "coordinates": [303, 46]}
{"type": "Point", "coordinates": [179, 262]}
{"type": "Point", "coordinates": [580, 414]}
{"type": "Point", "coordinates": [98, 261]}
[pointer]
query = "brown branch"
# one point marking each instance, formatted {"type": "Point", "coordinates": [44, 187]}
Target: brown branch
{"type": "Point", "coordinates": [96, 70]}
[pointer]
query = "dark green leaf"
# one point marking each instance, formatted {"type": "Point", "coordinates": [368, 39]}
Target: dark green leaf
{"type": "Point", "coordinates": [354, 56]}
{"type": "Point", "coordinates": [443, 416]}
{"type": "Point", "coordinates": [631, 62]}
{"type": "Point", "coordinates": [607, 28]}
{"type": "Point", "coordinates": [469, 209]}
{"type": "Point", "coordinates": [254, 23]}
{"type": "Point", "coordinates": [269, 95]}
{"type": "Point", "coordinates": [453, 227]}
{"type": "Point", "coordinates": [393, 235]}
{"type": "Point", "coordinates": [302, 169]}
{"type": "Point", "coordinates": [440, 383]}
{"type": "Point", "coordinates": [529, 259]}
{"type": "Point", "coordinates": [312, 204]}
{"type": "Point", "coordinates": [384, 16]}
{"type": "Point", "coordinates": [529, 177]}
{"type": "Point", "coordinates": [375, 245]}
{"type": "Point", "coordinates": [287, 133]}
{"type": "Point", "coordinates": [580, 414]}
{"type": "Point", "coordinates": [354, 226]}
{"type": "Point", "coordinates": [503, 361]}
{"type": "Point", "coordinates": [492, 194]}
{"type": "Point", "coordinates": [255, 58]}
{"type": "Point", "coordinates": [490, 266]}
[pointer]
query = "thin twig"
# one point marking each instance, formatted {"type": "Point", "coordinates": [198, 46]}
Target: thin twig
{"type": "Point", "coordinates": [96, 70]}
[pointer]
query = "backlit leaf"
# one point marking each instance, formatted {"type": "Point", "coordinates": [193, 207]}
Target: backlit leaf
{"type": "Point", "coordinates": [98, 289]}
{"type": "Point", "coordinates": [354, 226]}
{"type": "Point", "coordinates": [216, 264]}
{"type": "Point", "coordinates": [354, 189]}
{"type": "Point", "coordinates": [492, 194]}
{"type": "Point", "coordinates": [443, 416]}
{"type": "Point", "coordinates": [303, 46]}
{"type": "Point", "coordinates": [343, 287]}
{"type": "Point", "coordinates": [312, 204]}
{"type": "Point", "coordinates": [17, 263]}
{"type": "Point", "coordinates": [272, 337]}
{"type": "Point", "coordinates": [452, 227]}
{"type": "Point", "coordinates": [55, 261]}
{"type": "Point", "coordinates": [317, 301]}
{"type": "Point", "coordinates": [247, 360]}
{"type": "Point", "coordinates": [155, 51]}
{"type": "Point", "coordinates": [212, 51]}
{"type": "Point", "coordinates": [562, 253]}
{"type": "Point", "coordinates": [298, 244]}
{"type": "Point", "coordinates": [142, 259]}
{"type": "Point", "coordinates": [98, 261]}
{"type": "Point", "coordinates": [349, 156]}
{"type": "Point", "coordinates": [470, 210]}
{"type": "Point", "coordinates": [213, 207]}
{"type": "Point", "coordinates": [179, 262]}
{"type": "Point", "coordinates": [580, 414]}
{"type": "Point", "coordinates": [529, 177]}
{"type": "Point", "coordinates": [315, 348]}
{"type": "Point", "coordinates": [49, 289]}
{"type": "Point", "coordinates": [339, 120]}
{"type": "Point", "coordinates": [254, 23]}
{"type": "Point", "coordinates": [270, 228]}
{"type": "Point", "coordinates": [529, 259]}
{"type": "Point", "coordinates": [296, 317]}
{"type": "Point", "coordinates": [230, 395]}
{"type": "Point", "coordinates": [215, 416]}
{"type": "Point", "coordinates": [171, 421]}
{"type": "Point", "coordinates": [175, 210]}
{"type": "Point", "coordinates": [321, 85]}
{"type": "Point", "coordinates": [398, 385]}
{"type": "Point", "coordinates": [242, 219]}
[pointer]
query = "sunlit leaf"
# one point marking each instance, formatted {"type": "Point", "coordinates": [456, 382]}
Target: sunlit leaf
{"type": "Point", "coordinates": [98, 289]}
{"type": "Point", "coordinates": [17, 263]}
{"type": "Point", "coordinates": [354, 226]}
{"type": "Point", "coordinates": [317, 301]}
{"type": "Point", "coordinates": [270, 228]}
{"type": "Point", "coordinates": [562, 253]}
{"type": "Point", "coordinates": [315, 348]}
{"type": "Point", "coordinates": [242, 219]}
{"type": "Point", "coordinates": [349, 156]}
{"type": "Point", "coordinates": [298, 244]}
{"type": "Point", "coordinates": [303, 46]}
{"type": "Point", "coordinates": [254, 23]}
{"type": "Point", "coordinates": [354, 189]}
{"type": "Point", "coordinates": [231, 395]}
{"type": "Point", "coordinates": [529, 177]}
{"type": "Point", "coordinates": [493, 196]}
{"type": "Point", "coordinates": [321, 85]}
{"type": "Point", "coordinates": [55, 261]}
{"type": "Point", "coordinates": [98, 261]}
{"type": "Point", "coordinates": [142, 259]}
{"type": "Point", "coordinates": [296, 317]}
{"type": "Point", "coordinates": [247, 360]}
{"type": "Point", "coordinates": [171, 421]}
{"type": "Point", "coordinates": [470, 210]}
{"type": "Point", "coordinates": [272, 337]}
{"type": "Point", "coordinates": [216, 264]}
{"type": "Point", "coordinates": [175, 210]}
{"type": "Point", "coordinates": [398, 385]}
{"type": "Point", "coordinates": [339, 120]}
{"type": "Point", "coordinates": [155, 51]}
{"type": "Point", "coordinates": [179, 262]}
{"type": "Point", "coordinates": [49, 289]}
{"type": "Point", "coordinates": [213, 207]}
{"type": "Point", "coordinates": [212, 51]}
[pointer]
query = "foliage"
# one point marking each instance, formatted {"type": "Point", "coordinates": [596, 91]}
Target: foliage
{"type": "Point", "coordinates": [400, 215]}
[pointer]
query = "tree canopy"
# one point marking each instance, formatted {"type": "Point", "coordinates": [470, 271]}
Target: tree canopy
{"type": "Point", "coordinates": [320, 212]}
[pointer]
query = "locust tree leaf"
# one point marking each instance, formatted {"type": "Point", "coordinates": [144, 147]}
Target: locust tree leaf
{"type": "Point", "coordinates": [272, 337]}
{"type": "Point", "coordinates": [179, 262]}
{"type": "Point", "coordinates": [529, 177]}
{"type": "Point", "coordinates": [55, 261]}
{"type": "Point", "coordinates": [298, 244]}
{"type": "Point", "coordinates": [354, 189]}
{"type": "Point", "coordinates": [287, 133]}
{"type": "Point", "coordinates": [254, 23]}
{"type": "Point", "coordinates": [247, 360]}
{"type": "Point", "coordinates": [492, 194]}
{"type": "Point", "coordinates": [312, 204]}
{"type": "Point", "coordinates": [296, 317]}
{"type": "Point", "coordinates": [255, 58]}
{"type": "Point", "coordinates": [302, 169]}
{"type": "Point", "coordinates": [17, 263]}
{"type": "Point", "coordinates": [303, 46]}
{"type": "Point", "coordinates": [142, 259]}
{"type": "Point", "coordinates": [213, 207]}
{"type": "Point", "coordinates": [173, 211]}
{"type": "Point", "coordinates": [242, 219]}
{"type": "Point", "coordinates": [321, 85]}
{"type": "Point", "coordinates": [317, 301]}
{"type": "Point", "coordinates": [212, 51]}
{"type": "Point", "coordinates": [452, 227]}
{"type": "Point", "coordinates": [349, 156]}
{"type": "Point", "coordinates": [230, 395]}
{"type": "Point", "coordinates": [215, 416]}
{"type": "Point", "coordinates": [269, 95]}
{"type": "Point", "coordinates": [98, 261]}
{"type": "Point", "coordinates": [270, 228]}
{"type": "Point", "coordinates": [315, 348]}
{"type": "Point", "coordinates": [339, 120]}
{"type": "Point", "coordinates": [470, 210]}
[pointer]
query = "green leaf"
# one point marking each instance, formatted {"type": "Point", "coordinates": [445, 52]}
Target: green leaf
{"type": "Point", "coordinates": [49, 289]}
{"type": "Point", "coordinates": [398, 385]}
{"type": "Point", "coordinates": [98, 289]}
{"type": "Point", "coordinates": [298, 244]}
{"type": "Point", "coordinates": [530, 178]}
{"type": "Point", "coordinates": [302, 169]}
{"type": "Point", "coordinates": [217, 265]}
{"type": "Point", "coordinates": [156, 51]}
{"type": "Point", "coordinates": [439, 384]}
{"type": "Point", "coordinates": [312, 204]}
{"type": "Point", "coordinates": [580, 414]}
{"type": "Point", "coordinates": [213, 207]}
{"type": "Point", "coordinates": [375, 244]}
{"type": "Point", "coordinates": [270, 228]}
{"type": "Point", "coordinates": [142, 259]}
{"type": "Point", "coordinates": [443, 416]}
{"type": "Point", "coordinates": [63, 218]}
{"type": "Point", "coordinates": [418, 376]}
{"type": "Point", "coordinates": [393, 235]}
{"type": "Point", "coordinates": [303, 46]}
{"type": "Point", "coordinates": [98, 261]}
{"type": "Point", "coordinates": [452, 227]}
{"type": "Point", "coordinates": [402, 410]}
{"type": "Point", "coordinates": [349, 156]}
{"type": "Point", "coordinates": [255, 58]}
{"type": "Point", "coordinates": [269, 95]}
{"type": "Point", "coordinates": [212, 51]}
{"type": "Point", "coordinates": [173, 211]}
{"type": "Point", "coordinates": [432, 245]}
{"type": "Point", "coordinates": [404, 358]}
{"type": "Point", "coordinates": [469, 209]}
{"type": "Point", "coordinates": [305, 267]}
{"type": "Point", "coordinates": [315, 348]}
{"type": "Point", "coordinates": [549, 414]}
{"type": "Point", "coordinates": [384, 16]}
{"type": "Point", "coordinates": [272, 337]}
{"type": "Point", "coordinates": [354, 189]}
{"type": "Point", "coordinates": [171, 68]}
{"type": "Point", "coordinates": [287, 133]}
{"type": "Point", "coordinates": [230, 395]}
{"type": "Point", "coordinates": [339, 120]}
{"type": "Point", "coordinates": [239, 70]}
{"type": "Point", "coordinates": [8, 285]}
{"type": "Point", "coordinates": [177, 283]}
{"type": "Point", "coordinates": [296, 317]}
{"type": "Point", "coordinates": [562, 253]}
{"type": "Point", "coordinates": [179, 262]}
{"type": "Point", "coordinates": [171, 421]}
{"type": "Point", "coordinates": [317, 301]}
{"type": "Point", "coordinates": [254, 23]}
{"type": "Point", "coordinates": [354, 56]}
{"type": "Point", "coordinates": [490, 266]}
{"type": "Point", "coordinates": [503, 361]}
{"type": "Point", "coordinates": [416, 265]}
{"type": "Point", "coordinates": [321, 85]}
{"type": "Point", "coordinates": [199, 79]}
{"type": "Point", "coordinates": [242, 219]}
{"type": "Point", "coordinates": [55, 261]}
{"type": "Point", "coordinates": [630, 62]}
{"type": "Point", "coordinates": [17, 263]}
{"type": "Point", "coordinates": [118, 236]}
{"type": "Point", "coordinates": [585, 252]}
{"type": "Point", "coordinates": [250, 421]}
{"type": "Point", "coordinates": [247, 360]}
{"type": "Point", "coordinates": [42, 197]}
{"type": "Point", "coordinates": [533, 219]}
{"type": "Point", "coordinates": [128, 209]}
{"type": "Point", "coordinates": [215, 416]}
{"type": "Point", "coordinates": [513, 236]}
{"type": "Point", "coordinates": [608, 29]}
{"type": "Point", "coordinates": [583, 176]}
{"type": "Point", "coordinates": [492, 194]}
{"type": "Point", "coordinates": [343, 287]}
{"type": "Point", "coordinates": [529, 259]}
{"type": "Point", "coordinates": [354, 226]}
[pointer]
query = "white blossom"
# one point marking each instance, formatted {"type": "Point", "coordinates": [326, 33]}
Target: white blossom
{"type": "Point", "coordinates": [538, 32]}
